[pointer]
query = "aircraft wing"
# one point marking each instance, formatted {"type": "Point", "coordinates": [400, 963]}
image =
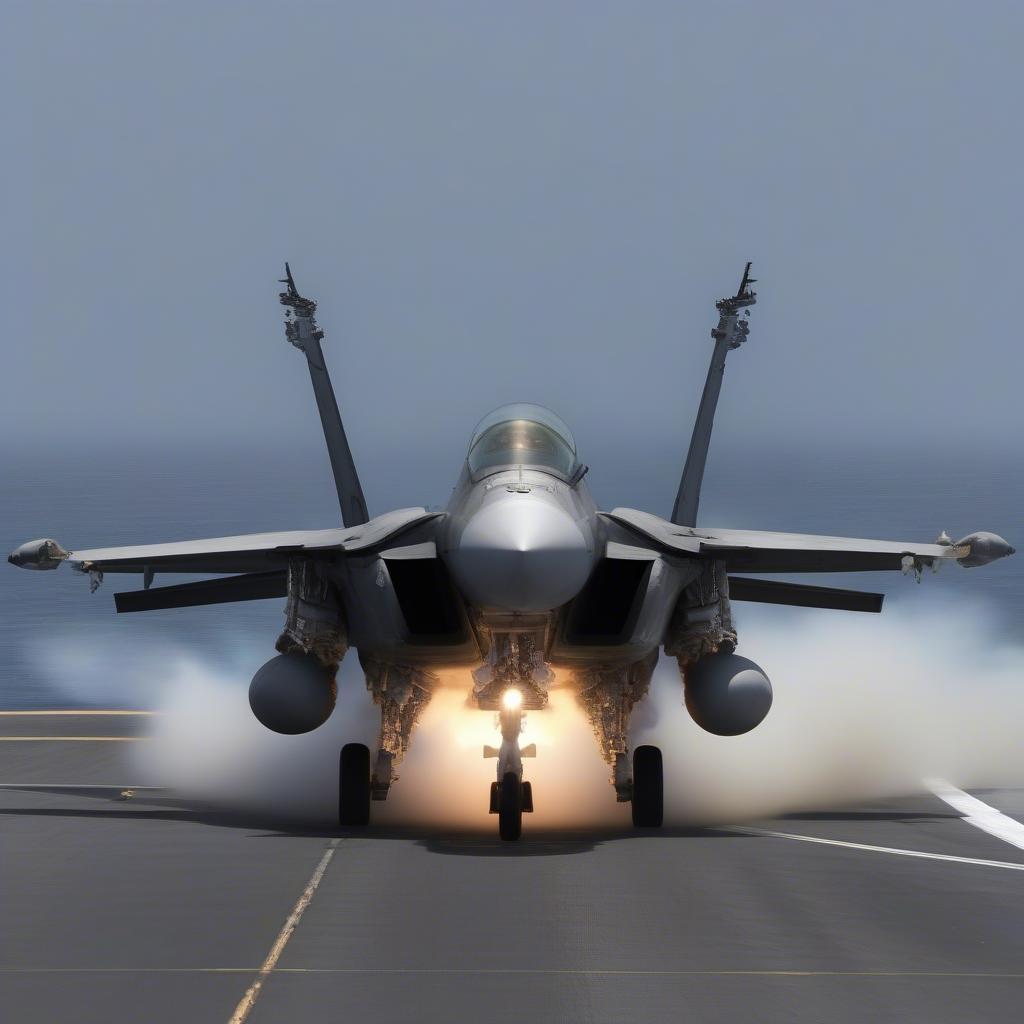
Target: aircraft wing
{"type": "Point", "coordinates": [761, 551]}
{"type": "Point", "coordinates": [247, 553]}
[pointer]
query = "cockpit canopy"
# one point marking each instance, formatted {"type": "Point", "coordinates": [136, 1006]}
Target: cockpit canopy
{"type": "Point", "coordinates": [522, 435]}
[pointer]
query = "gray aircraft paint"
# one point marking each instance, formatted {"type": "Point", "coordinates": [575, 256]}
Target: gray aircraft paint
{"type": "Point", "coordinates": [519, 576]}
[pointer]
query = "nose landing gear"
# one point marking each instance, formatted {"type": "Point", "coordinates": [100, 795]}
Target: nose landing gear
{"type": "Point", "coordinates": [510, 799]}
{"type": "Point", "coordinates": [510, 795]}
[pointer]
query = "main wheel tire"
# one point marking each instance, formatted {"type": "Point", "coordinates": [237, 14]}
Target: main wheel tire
{"type": "Point", "coordinates": [648, 788]}
{"type": "Point", "coordinates": [354, 785]}
{"type": "Point", "coordinates": [510, 807]}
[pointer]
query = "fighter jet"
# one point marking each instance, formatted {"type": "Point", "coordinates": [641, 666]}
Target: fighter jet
{"type": "Point", "coordinates": [519, 578]}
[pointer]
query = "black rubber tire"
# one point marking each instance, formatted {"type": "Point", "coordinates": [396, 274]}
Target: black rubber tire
{"type": "Point", "coordinates": [648, 788]}
{"type": "Point", "coordinates": [354, 785]}
{"type": "Point", "coordinates": [510, 808]}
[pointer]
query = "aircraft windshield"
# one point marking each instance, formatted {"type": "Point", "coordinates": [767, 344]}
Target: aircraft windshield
{"type": "Point", "coordinates": [522, 435]}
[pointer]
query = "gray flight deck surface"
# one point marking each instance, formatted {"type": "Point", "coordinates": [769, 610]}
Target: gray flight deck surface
{"type": "Point", "coordinates": [149, 909]}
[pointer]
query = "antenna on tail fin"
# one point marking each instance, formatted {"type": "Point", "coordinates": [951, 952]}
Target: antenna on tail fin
{"type": "Point", "coordinates": [302, 331]}
{"type": "Point", "coordinates": [730, 333]}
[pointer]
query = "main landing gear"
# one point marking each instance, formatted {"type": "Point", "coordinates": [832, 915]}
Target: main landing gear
{"type": "Point", "coordinates": [648, 790]}
{"type": "Point", "coordinates": [354, 785]}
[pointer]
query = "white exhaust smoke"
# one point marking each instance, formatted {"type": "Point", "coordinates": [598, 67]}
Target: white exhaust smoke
{"type": "Point", "coordinates": [865, 707]}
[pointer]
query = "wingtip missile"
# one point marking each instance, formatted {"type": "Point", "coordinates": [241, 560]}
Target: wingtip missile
{"type": "Point", "coordinates": [38, 554]}
{"type": "Point", "coordinates": [983, 547]}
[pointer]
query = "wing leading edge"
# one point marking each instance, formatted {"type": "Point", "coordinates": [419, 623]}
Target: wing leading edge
{"type": "Point", "coordinates": [246, 553]}
{"type": "Point", "coordinates": [762, 551]}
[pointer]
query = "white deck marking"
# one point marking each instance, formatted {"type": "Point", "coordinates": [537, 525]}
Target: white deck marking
{"type": "Point", "coordinates": [878, 849]}
{"type": "Point", "coordinates": [979, 814]}
{"type": "Point", "coordinates": [245, 1005]}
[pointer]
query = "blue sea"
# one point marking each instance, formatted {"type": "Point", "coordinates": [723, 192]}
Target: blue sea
{"type": "Point", "coordinates": [61, 646]}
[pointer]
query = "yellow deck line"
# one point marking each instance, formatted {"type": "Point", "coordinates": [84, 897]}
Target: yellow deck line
{"type": "Point", "coordinates": [252, 993]}
{"type": "Point", "coordinates": [11, 714]}
{"type": "Point", "coordinates": [70, 739]}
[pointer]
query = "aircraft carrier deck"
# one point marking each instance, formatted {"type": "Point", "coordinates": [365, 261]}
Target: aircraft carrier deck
{"type": "Point", "coordinates": [147, 909]}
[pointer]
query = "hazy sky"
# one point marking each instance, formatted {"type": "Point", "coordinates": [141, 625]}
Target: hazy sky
{"type": "Point", "coordinates": [496, 202]}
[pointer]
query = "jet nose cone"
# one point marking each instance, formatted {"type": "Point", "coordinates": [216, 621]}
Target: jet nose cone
{"type": "Point", "coordinates": [521, 553]}
{"type": "Point", "coordinates": [14, 558]}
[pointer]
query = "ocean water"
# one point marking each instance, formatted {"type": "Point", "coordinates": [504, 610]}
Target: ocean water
{"type": "Point", "coordinates": [61, 646]}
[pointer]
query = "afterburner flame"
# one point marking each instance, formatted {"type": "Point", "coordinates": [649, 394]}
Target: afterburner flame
{"type": "Point", "coordinates": [511, 699]}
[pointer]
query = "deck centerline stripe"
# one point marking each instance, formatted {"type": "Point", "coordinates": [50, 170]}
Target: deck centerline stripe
{"type": "Point", "coordinates": [979, 814]}
{"type": "Point", "coordinates": [246, 1003]}
{"type": "Point", "coordinates": [977, 862]}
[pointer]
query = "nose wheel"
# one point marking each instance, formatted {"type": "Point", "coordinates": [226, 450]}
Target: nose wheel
{"type": "Point", "coordinates": [510, 799]}
{"type": "Point", "coordinates": [648, 788]}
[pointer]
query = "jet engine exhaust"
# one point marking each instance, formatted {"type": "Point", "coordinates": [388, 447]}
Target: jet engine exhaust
{"type": "Point", "coordinates": [726, 694]}
{"type": "Point", "coordinates": [292, 693]}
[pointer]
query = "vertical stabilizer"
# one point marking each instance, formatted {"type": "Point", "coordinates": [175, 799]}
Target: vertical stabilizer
{"type": "Point", "coordinates": [302, 331]}
{"type": "Point", "coordinates": [730, 333]}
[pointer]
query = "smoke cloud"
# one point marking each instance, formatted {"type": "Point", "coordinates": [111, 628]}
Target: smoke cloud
{"type": "Point", "coordinates": [865, 707]}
